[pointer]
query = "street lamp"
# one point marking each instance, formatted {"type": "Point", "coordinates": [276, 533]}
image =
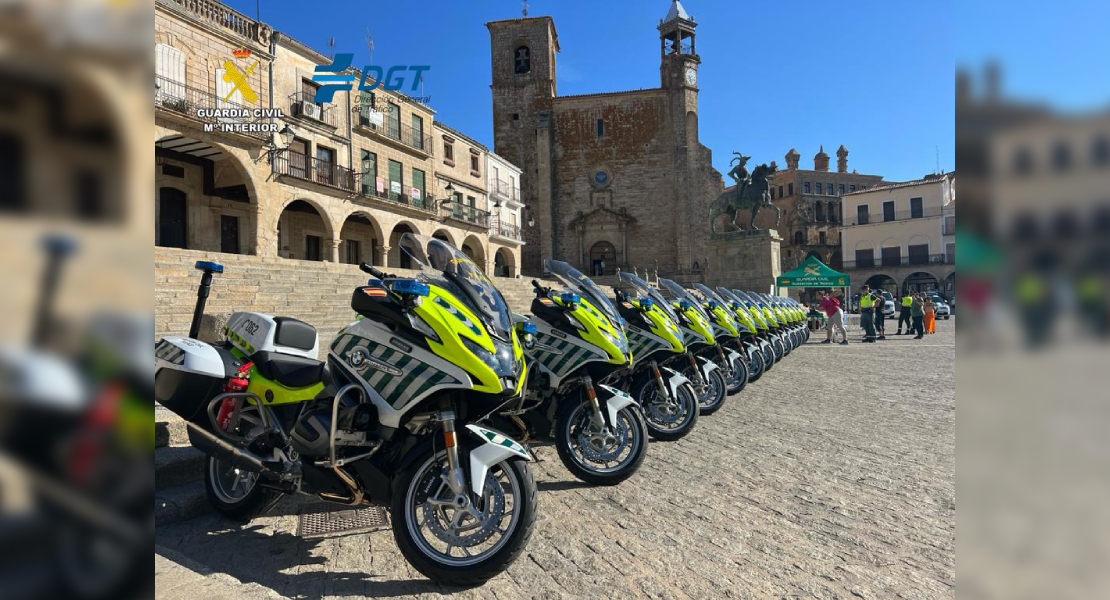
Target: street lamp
{"type": "Point", "coordinates": [286, 135]}
{"type": "Point", "coordinates": [450, 191]}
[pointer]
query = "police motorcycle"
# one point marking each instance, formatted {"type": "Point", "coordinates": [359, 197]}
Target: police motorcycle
{"type": "Point", "coordinates": [705, 366]}
{"type": "Point", "coordinates": [666, 397]}
{"type": "Point", "coordinates": [726, 329]}
{"type": "Point", "coordinates": [577, 353]}
{"type": "Point", "coordinates": [763, 328]}
{"type": "Point", "coordinates": [750, 341]}
{"type": "Point", "coordinates": [388, 420]}
{"type": "Point", "coordinates": [792, 335]}
{"type": "Point", "coordinates": [803, 321]}
{"type": "Point", "coordinates": [785, 326]}
{"type": "Point", "coordinates": [774, 324]}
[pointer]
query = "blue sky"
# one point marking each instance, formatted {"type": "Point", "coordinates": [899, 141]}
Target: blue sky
{"type": "Point", "coordinates": [876, 76]}
{"type": "Point", "coordinates": [1052, 53]}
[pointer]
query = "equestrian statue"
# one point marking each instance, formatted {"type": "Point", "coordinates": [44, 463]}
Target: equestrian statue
{"type": "Point", "coordinates": [752, 192]}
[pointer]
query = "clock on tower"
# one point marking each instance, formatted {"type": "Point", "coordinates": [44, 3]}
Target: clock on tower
{"type": "Point", "coordinates": [691, 76]}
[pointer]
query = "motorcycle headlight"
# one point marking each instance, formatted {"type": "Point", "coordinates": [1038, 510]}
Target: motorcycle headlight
{"type": "Point", "coordinates": [618, 340]}
{"type": "Point", "coordinates": [485, 355]}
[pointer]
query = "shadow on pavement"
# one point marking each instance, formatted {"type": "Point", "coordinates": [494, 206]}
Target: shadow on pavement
{"type": "Point", "coordinates": [251, 555]}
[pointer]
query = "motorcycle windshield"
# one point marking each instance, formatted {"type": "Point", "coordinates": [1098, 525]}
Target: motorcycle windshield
{"type": "Point", "coordinates": [710, 294]}
{"type": "Point", "coordinates": [449, 268]}
{"type": "Point", "coordinates": [583, 286]}
{"type": "Point", "coordinates": [680, 294]}
{"type": "Point", "coordinates": [639, 288]}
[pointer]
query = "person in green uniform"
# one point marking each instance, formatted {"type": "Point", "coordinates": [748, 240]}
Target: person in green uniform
{"type": "Point", "coordinates": [867, 314]}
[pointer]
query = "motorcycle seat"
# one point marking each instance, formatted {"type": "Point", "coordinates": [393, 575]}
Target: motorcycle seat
{"type": "Point", "coordinates": [287, 369]}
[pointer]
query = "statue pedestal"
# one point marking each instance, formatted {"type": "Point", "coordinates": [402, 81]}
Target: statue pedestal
{"type": "Point", "coordinates": [749, 262]}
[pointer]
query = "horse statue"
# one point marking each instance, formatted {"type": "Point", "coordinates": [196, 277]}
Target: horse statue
{"type": "Point", "coordinates": [752, 192]}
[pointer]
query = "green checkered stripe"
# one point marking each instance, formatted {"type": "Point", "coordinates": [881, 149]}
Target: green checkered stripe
{"type": "Point", "coordinates": [416, 376]}
{"type": "Point", "coordinates": [569, 357]}
{"type": "Point", "coordinates": [169, 353]}
{"type": "Point", "coordinates": [640, 344]}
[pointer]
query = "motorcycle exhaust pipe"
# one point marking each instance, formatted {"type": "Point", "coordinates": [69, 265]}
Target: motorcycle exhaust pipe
{"type": "Point", "coordinates": [208, 443]}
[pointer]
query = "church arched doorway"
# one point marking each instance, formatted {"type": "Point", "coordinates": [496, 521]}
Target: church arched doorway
{"type": "Point", "coordinates": [603, 259]}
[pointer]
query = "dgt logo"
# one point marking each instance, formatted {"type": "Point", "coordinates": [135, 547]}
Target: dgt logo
{"type": "Point", "coordinates": [335, 80]}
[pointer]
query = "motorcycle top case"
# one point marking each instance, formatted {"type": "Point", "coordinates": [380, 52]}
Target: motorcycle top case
{"type": "Point", "coordinates": [189, 372]}
{"type": "Point", "coordinates": [253, 332]}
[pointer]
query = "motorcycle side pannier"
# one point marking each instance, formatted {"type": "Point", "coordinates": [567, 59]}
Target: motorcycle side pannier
{"type": "Point", "coordinates": [188, 373]}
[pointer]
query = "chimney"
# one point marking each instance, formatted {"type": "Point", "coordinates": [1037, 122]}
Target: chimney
{"type": "Point", "coordinates": [821, 160]}
{"type": "Point", "coordinates": [842, 159]}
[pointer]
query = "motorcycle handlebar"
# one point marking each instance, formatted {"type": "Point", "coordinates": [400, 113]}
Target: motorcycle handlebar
{"type": "Point", "coordinates": [372, 270]}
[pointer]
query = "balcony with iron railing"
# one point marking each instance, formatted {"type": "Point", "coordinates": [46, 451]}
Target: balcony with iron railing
{"type": "Point", "coordinates": [187, 101]}
{"type": "Point", "coordinates": [466, 214]}
{"type": "Point", "coordinates": [368, 189]}
{"type": "Point", "coordinates": [392, 130]}
{"type": "Point", "coordinates": [306, 168]}
{"type": "Point", "coordinates": [503, 189]}
{"type": "Point", "coordinates": [303, 105]}
{"type": "Point", "coordinates": [505, 230]}
{"type": "Point", "coordinates": [889, 217]}
{"type": "Point", "coordinates": [917, 260]}
{"type": "Point", "coordinates": [220, 15]}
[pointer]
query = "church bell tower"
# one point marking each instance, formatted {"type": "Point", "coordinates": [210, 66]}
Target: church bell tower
{"type": "Point", "coordinates": [678, 49]}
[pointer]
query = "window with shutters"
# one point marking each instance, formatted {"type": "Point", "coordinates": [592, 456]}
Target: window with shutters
{"type": "Point", "coordinates": [865, 258]}
{"type": "Point", "coordinates": [396, 180]}
{"type": "Point", "coordinates": [918, 254]}
{"type": "Point", "coordinates": [393, 120]}
{"type": "Point", "coordinates": [917, 208]}
{"type": "Point", "coordinates": [892, 256]}
{"type": "Point", "coordinates": [888, 210]}
{"type": "Point", "coordinates": [863, 216]}
{"type": "Point", "coordinates": [169, 67]}
{"type": "Point", "coordinates": [418, 187]}
{"type": "Point", "coordinates": [369, 173]}
{"type": "Point", "coordinates": [417, 132]}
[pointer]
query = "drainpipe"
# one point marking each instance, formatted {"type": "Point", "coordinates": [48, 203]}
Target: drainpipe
{"type": "Point", "coordinates": [273, 53]}
{"type": "Point", "coordinates": [350, 136]}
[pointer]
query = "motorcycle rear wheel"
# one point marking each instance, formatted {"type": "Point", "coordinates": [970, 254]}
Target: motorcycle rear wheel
{"type": "Point", "coordinates": [234, 492]}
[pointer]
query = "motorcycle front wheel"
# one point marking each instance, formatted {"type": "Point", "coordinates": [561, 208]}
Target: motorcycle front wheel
{"type": "Point", "coordinates": [605, 457]}
{"type": "Point", "coordinates": [755, 365]}
{"type": "Point", "coordinates": [740, 376]}
{"type": "Point", "coordinates": [712, 396]}
{"type": "Point", "coordinates": [776, 347]}
{"type": "Point", "coordinates": [463, 540]}
{"type": "Point", "coordinates": [667, 419]}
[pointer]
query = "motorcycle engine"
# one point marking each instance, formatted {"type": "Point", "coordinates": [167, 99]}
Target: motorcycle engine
{"type": "Point", "coordinates": [355, 424]}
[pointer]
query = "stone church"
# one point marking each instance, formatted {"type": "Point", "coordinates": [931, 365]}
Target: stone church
{"type": "Point", "coordinates": [614, 179]}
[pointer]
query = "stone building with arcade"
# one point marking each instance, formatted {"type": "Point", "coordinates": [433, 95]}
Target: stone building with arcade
{"type": "Point", "coordinates": [340, 181]}
{"type": "Point", "coordinates": [614, 178]}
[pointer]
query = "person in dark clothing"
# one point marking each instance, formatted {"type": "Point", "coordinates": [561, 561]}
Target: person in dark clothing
{"type": "Point", "coordinates": [904, 313]}
{"type": "Point", "coordinates": [917, 312]}
{"type": "Point", "coordinates": [880, 317]}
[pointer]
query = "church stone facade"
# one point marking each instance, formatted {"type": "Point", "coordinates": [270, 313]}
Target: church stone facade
{"type": "Point", "coordinates": [616, 179]}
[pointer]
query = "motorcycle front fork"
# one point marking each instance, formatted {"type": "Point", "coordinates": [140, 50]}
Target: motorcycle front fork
{"type": "Point", "coordinates": [724, 361]}
{"type": "Point", "coordinates": [697, 372]}
{"type": "Point", "coordinates": [663, 391]}
{"type": "Point", "coordinates": [455, 478]}
{"type": "Point", "coordinates": [595, 405]}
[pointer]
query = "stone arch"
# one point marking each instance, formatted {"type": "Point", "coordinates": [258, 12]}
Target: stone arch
{"type": "Point", "coordinates": [819, 211]}
{"type": "Point", "coordinates": [304, 231]}
{"type": "Point", "coordinates": [504, 264]}
{"type": "Point", "coordinates": [691, 126]}
{"type": "Point", "coordinates": [814, 254]}
{"type": "Point", "coordinates": [920, 281]}
{"type": "Point", "coordinates": [222, 207]}
{"type": "Point", "coordinates": [472, 247]}
{"type": "Point", "coordinates": [361, 239]}
{"type": "Point", "coordinates": [522, 58]}
{"type": "Point", "coordinates": [835, 261]}
{"type": "Point", "coordinates": [397, 258]}
{"type": "Point", "coordinates": [445, 235]}
{"type": "Point", "coordinates": [799, 238]}
{"type": "Point", "coordinates": [881, 281]}
{"type": "Point", "coordinates": [603, 257]}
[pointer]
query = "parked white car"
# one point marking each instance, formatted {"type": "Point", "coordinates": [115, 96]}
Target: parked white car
{"type": "Point", "coordinates": [943, 310]}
